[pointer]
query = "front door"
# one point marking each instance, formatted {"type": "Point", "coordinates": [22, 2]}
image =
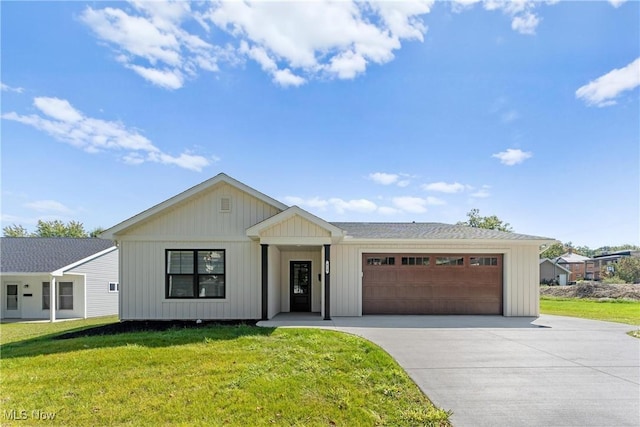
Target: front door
{"type": "Point", "coordinates": [300, 296]}
{"type": "Point", "coordinates": [12, 308]}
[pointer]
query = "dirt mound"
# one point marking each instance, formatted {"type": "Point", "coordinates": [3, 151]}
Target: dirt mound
{"type": "Point", "coordinates": [594, 290]}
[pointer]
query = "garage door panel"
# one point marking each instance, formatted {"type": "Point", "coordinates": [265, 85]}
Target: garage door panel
{"type": "Point", "coordinates": [426, 288]}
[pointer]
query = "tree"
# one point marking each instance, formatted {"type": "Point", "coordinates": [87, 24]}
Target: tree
{"type": "Point", "coordinates": [628, 269]}
{"type": "Point", "coordinates": [489, 222]}
{"type": "Point", "coordinates": [553, 251]}
{"type": "Point", "coordinates": [15, 231]}
{"type": "Point", "coordinates": [96, 232]}
{"type": "Point", "coordinates": [55, 228]}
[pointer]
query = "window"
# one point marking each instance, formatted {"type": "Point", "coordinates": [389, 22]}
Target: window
{"type": "Point", "coordinates": [114, 286]}
{"type": "Point", "coordinates": [449, 260]}
{"type": "Point", "coordinates": [381, 261]}
{"type": "Point", "coordinates": [46, 295]}
{"type": "Point", "coordinates": [484, 261]}
{"type": "Point", "coordinates": [65, 295]}
{"type": "Point", "coordinates": [195, 273]}
{"type": "Point", "coordinates": [415, 260]}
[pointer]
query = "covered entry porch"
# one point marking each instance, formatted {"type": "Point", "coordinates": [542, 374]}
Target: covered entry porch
{"type": "Point", "coordinates": [295, 259]}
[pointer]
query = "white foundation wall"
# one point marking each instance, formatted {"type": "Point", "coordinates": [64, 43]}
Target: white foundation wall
{"type": "Point", "coordinates": [143, 281]}
{"type": "Point", "coordinates": [520, 274]}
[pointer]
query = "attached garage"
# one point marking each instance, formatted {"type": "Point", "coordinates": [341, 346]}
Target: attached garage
{"type": "Point", "coordinates": [397, 283]}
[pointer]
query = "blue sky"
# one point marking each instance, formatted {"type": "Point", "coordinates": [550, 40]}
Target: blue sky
{"type": "Point", "coordinates": [391, 111]}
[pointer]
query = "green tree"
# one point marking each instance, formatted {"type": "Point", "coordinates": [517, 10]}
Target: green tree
{"type": "Point", "coordinates": [489, 222]}
{"type": "Point", "coordinates": [96, 232]}
{"type": "Point", "coordinates": [628, 269]}
{"type": "Point", "coordinates": [553, 251]}
{"type": "Point", "coordinates": [15, 231]}
{"type": "Point", "coordinates": [57, 228]}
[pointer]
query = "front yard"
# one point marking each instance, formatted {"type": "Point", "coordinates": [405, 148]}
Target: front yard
{"type": "Point", "coordinates": [213, 375]}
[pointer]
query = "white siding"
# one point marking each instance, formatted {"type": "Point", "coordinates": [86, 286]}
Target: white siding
{"type": "Point", "coordinates": [196, 223]}
{"type": "Point", "coordinates": [31, 306]}
{"type": "Point", "coordinates": [520, 284]}
{"type": "Point", "coordinates": [295, 227]}
{"type": "Point", "coordinates": [201, 216]}
{"type": "Point", "coordinates": [99, 272]}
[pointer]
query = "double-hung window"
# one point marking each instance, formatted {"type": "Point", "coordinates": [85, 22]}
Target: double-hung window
{"type": "Point", "coordinates": [196, 273]}
{"type": "Point", "coordinates": [65, 295]}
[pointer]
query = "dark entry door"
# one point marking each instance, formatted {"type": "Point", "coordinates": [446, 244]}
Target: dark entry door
{"type": "Point", "coordinates": [300, 296]}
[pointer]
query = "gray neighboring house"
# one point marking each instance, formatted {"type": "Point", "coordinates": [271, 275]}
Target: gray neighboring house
{"type": "Point", "coordinates": [76, 276]}
{"type": "Point", "coordinates": [550, 271]}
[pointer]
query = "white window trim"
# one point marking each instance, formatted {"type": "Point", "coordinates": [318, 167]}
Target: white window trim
{"type": "Point", "coordinates": [116, 287]}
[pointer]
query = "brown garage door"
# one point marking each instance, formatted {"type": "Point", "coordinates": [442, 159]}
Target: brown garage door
{"type": "Point", "coordinates": [432, 284]}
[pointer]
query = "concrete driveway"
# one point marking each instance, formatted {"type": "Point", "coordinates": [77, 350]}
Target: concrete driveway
{"type": "Point", "coordinates": [500, 371]}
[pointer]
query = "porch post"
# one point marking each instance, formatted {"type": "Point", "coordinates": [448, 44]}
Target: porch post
{"type": "Point", "coordinates": [265, 281]}
{"type": "Point", "coordinates": [327, 287]}
{"type": "Point", "coordinates": [52, 299]}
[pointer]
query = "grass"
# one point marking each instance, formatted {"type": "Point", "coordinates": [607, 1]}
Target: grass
{"type": "Point", "coordinates": [216, 375]}
{"type": "Point", "coordinates": [621, 311]}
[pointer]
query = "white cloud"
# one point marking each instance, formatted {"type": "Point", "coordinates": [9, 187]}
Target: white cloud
{"type": "Point", "coordinates": [434, 201]}
{"type": "Point", "coordinates": [603, 90]}
{"type": "Point", "coordinates": [356, 205]}
{"type": "Point", "coordinates": [444, 187]}
{"type": "Point", "coordinates": [388, 211]}
{"type": "Point", "coordinates": [512, 156]}
{"type": "Point", "coordinates": [617, 3]}
{"type": "Point", "coordinates": [7, 88]}
{"type": "Point", "coordinates": [48, 206]}
{"type": "Point", "coordinates": [292, 41]}
{"type": "Point", "coordinates": [150, 40]}
{"type": "Point", "coordinates": [482, 193]}
{"type": "Point", "coordinates": [410, 204]}
{"type": "Point", "coordinates": [384, 178]}
{"type": "Point", "coordinates": [523, 18]}
{"type": "Point", "coordinates": [509, 116]}
{"type": "Point", "coordinates": [65, 123]}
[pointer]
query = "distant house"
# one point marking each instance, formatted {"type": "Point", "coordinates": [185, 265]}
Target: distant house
{"type": "Point", "coordinates": [575, 263]}
{"type": "Point", "coordinates": [78, 277]}
{"type": "Point", "coordinates": [223, 250]}
{"type": "Point", "coordinates": [552, 272]}
{"type": "Point", "coordinates": [608, 261]}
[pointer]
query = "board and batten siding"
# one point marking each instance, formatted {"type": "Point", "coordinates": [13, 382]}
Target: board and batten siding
{"type": "Point", "coordinates": [295, 227]}
{"type": "Point", "coordinates": [200, 216]}
{"type": "Point", "coordinates": [196, 223]}
{"type": "Point", "coordinates": [98, 273]}
{"type": "Point", "coordinates": [520, 273]}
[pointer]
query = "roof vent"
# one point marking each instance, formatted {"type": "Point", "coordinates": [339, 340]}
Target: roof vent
{"type": "Point", "coordinates": [225, 204]}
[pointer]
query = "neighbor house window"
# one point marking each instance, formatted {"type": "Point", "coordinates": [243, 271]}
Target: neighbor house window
{"type": "Point", "coordinates": [114, 286]}
{"type": "Point", "coordinates": [195, 273]}
{"type": "Point", "coordinates": [65, 295]}
{"type": "Point", "coordinates": [381, 261]}
{"type": "Point", "coordinates": [46, 295]}
{"type": "Point", "coordinates": [415, 260]}
{"type": "Point", "coordinates": [449, 260]}
{"type": "Point", "coordinates": [484, 261]}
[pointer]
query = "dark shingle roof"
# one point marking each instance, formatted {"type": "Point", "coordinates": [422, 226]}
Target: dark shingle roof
{"type": "Point", "coordinates": [425, 230]}
{"type": "Point", "coordinates": [45, 254]}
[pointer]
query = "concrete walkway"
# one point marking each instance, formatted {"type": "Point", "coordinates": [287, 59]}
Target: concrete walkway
{"type": "Point", "coordinates": [501, 371]}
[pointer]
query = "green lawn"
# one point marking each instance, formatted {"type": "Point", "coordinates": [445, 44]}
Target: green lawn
{"type": "Point", "coordinates": [217, 375]}
{"type": "Point", "coordinates": [621, 311]}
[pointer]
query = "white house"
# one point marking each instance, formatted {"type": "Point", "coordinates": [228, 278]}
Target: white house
{"type": "Point", "coordinates": [77, 277]}
{"type": "Point", "coordinates": [222, 250]}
